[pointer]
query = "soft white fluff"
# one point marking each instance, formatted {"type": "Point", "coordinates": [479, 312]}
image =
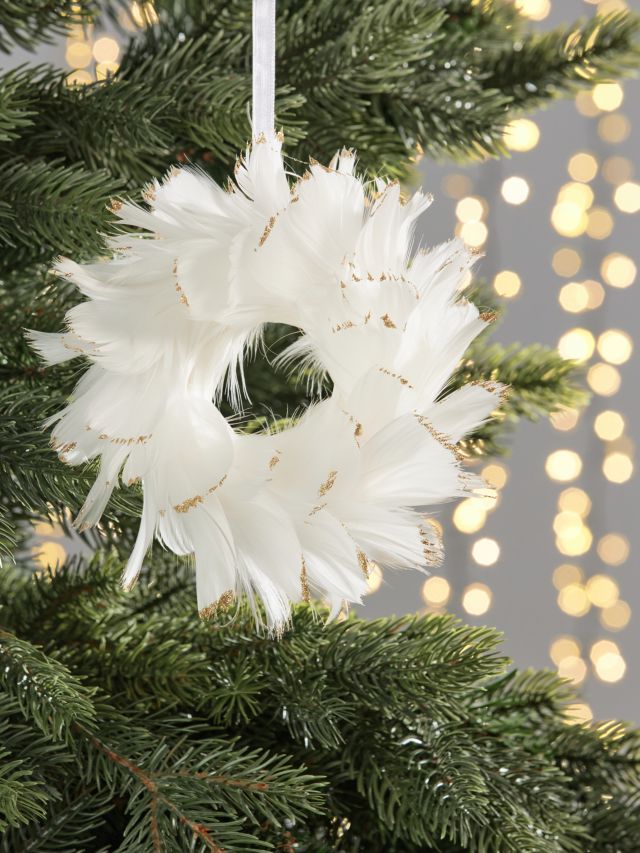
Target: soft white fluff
{"type": "Point", "coordinates": [165, 325]}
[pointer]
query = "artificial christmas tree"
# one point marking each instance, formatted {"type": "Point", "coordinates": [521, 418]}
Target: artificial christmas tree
{"type": "Point", "coordinates": [127, 724]}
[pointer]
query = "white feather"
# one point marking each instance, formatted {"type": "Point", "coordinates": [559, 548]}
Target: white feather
{"type": "Point", "coordinates": [166, 325]}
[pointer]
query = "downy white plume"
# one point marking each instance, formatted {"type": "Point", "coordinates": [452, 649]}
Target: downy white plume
{"type": "Point", "coordinates": [165, 325]}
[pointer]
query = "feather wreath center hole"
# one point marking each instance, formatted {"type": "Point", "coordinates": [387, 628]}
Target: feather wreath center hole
{"type": "Point", "coordinates": [276, 388]}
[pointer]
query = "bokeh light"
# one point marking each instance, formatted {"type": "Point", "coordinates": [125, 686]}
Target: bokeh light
{"type": "Point", "coordinates": [618, 270]}
{"type": "Point", "coordinates": [583, 167]}
{"type": "Point", "coordinates": [536, 10]}
{"type": "Point", "coordinates": [613, 549]}
{"type": "Point", "coordinates": [617, 169]}
{"type": "Point", "coordinates": [470, 209]}
{"type": "Point", "coordinates": [599, 223]}
{"type": "Point", "coordinates": [617, 467]}
{"type": "Point", "coordinates": [106, 49]}
{"type": "Point", "coordinates": [627, 197]}
{"type": "Point", "coordinates": [563, 465]}
{"type": "Point", "coordinates": [573, 668]}
{"type": "Point", "coordinates": [485, 551]}
{"type": "Point", "coordinates": [515, 190]}
{"type": "Point", "coordinates": [565, 420]}
{"type": "Point", "coordinates": [521, 134]}
{"type": "Point", "coordinates": [436, 591]}
{"type": "Point", "coordinates": [567, 574]}
{"type": "Point", "coordinates": [564, 646]}
{"type": "Point", "coordinates": [470, 515]}
{"type": "Point", "coordinates": [577, 344]}
{"type": "Point", "coordinates": [573, 600]}
{"type": "Point", "coordinates": [604, 379]}
{"type": "Point", "coordinates": [495, 475]}
{"type": "Point", "coordinates": [602, 590]}
{"type": "Point", "coordinates": [474, 234]}
{"type": "Point", "coordinates": [78, 54]}
{"type": "Point", "coordinates": [616, 617]}
{"type": "Point", "coordinates": [609, 425]}
{"type": "Point", "coordinates": [615, 346]}
{"type": "Point", "coordinates": [49, 554]}
{"type": "Point", "coordinates": [569, 218]}
{"type": "Point", "coordinates": [614, 128]}
{"type": "Point", "coordinates": [574, 500]}
{"type": "Point", "coordinates": [476, 599]}
{"type": "Point", "coordinates": [507, 284]}
{"type": "Point", "coordinates": [608, 96]}
{"type": "Point", "coordinates": [566, 262]}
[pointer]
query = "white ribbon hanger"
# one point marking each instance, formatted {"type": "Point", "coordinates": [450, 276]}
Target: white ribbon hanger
{"type": "Point", "coordinates": [264, 68]}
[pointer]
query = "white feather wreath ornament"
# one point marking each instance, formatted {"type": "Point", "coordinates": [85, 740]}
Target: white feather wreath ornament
{"type": "Point", "coordinates": [167, 319]}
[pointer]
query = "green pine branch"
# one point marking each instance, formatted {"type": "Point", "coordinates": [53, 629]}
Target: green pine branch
{"type": "Point", "coordinates": [44, 689]}
{"type": "Point", "coordinates": [567, 59]}
{"type": "Point", "coordinates": [539, 383]}
{"type": "Point", "coordinates": [21, 800]}
{"type": "Point", "coordinates": [397, 734]}
{"type": "Point", "coordinates": [26, 22]}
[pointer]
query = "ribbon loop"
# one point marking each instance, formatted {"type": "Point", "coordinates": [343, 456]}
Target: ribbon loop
{"type": "Point", "coordinates": [264, 67]}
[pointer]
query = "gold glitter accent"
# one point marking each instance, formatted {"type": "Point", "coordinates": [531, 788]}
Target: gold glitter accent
{"type": "Point", "coordinates": [280, 136]}
{"type": "Point", "coordinates": [304, 583]}
{"type": "Point", "coordinates": [260, 138]}
{"type": "Point", "coordinates": [341, 326]}
{"type": "Point", "coordinates": [149, 193]}
{"type": "Point", "coordinates": [267, 230]}
{"type": "Point", "coordinates": [183, 296]}
{"type": "Point", "coordinates": [358, 430]}
{"type": "Point", "coordinates": [367, 317]}
{"type": "Point", "coordinates": [223, 603]}
{"type": "Point", "coordinates": [316, 509]}
{"type": "Point", "coordinates": [488, 316]}
{"type": "Point", "coordinates": [190, 503]}
{"type": "Point", "coordinates": [432, 551]}
{"type": "Point", "coordinates": [377, 196]}
{"type": "Point", "coordinates": [294, 199]}
{"type": "Point", "coordinates": [173, 172]}
{"type": "Point", "coordinates": [386, 319]}
{"type": "Point", "coordinates": [274, 460]}
{"type": "Point", "coordinates": [328, 483]}
{"type": "Point", "coordinates": [443, 439]}
{"type": "Point", "coordinates": [133, 481]}
{"type": "Point", "coordinates": [61, 450]}
{"type": "Point", "coordinates": [114, 205]}
{"type": "Point", "coordinates": [70, 347]}
{"type": "Point", "coordinates": [140, 439]}
{"type": "Point", "coordinates": [397, 376]}
{"type": "Point", "coordinates": [493, 388]}
{"type": "Point", "coordinates": [364, 563]}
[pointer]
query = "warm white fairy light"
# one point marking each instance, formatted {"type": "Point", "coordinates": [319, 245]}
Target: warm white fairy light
{"type": "Point", "coordinates": [476, 599]}
{"type": "Point", "coordinates": [515, 190]}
